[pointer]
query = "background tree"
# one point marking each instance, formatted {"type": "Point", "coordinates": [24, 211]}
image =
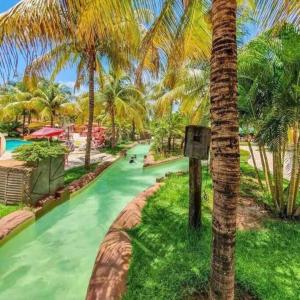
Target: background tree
{"type": "Point", "coordinates": [79, 33]}
{"type": "Point", "coordinates": [268, 83]}
{"type": "Point", "coordinates": [121, 100]}
{"type": "Point", "coordinates": [50, 98]}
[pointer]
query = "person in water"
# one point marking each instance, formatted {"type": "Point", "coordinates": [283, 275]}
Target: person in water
{"type": "Point", "coordinates": [132, 160]}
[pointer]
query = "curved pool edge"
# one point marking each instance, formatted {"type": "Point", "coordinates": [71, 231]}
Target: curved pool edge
{"type": "Point", "coordinates": [39, 212]}
{"type": "Point", "coordinates": [14, 223]}
{"type": "Point", "coordinates": [19, 224]}
{"type": "Point", "coordinates": [108, 279]}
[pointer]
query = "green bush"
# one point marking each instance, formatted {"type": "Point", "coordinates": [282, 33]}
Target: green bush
{"type": "Point", "coordinates": [38, 151]}
{"type": "Point", "coordinates": [10, 128]}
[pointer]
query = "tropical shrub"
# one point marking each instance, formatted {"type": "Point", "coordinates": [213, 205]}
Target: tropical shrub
{"type": "Point", "coordinates": [10, 128]}
{"type": "Point", "coordinates": [167, 131]}
{"type": "Point", "coordinates": [269, 76]}
{"type": "Point", "coordinates": [39, 151]}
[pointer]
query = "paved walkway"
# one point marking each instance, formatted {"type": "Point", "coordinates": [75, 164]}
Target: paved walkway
{"type": "Point", "coordinates": [287, 161]}
{"type": "Point", "coordinates": [75, 159]}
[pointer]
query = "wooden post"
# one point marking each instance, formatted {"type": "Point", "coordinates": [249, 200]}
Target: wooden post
{"type": "Point", "coordinates": [195, 193]}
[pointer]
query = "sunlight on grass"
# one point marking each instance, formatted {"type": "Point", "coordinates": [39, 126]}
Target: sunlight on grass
{"type": "Point", "coordinates": [76, 173]}
{"type": "Point", "coordinates": [170, 262]}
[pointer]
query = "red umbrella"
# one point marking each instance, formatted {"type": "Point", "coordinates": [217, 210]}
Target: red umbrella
{"type": "Point", "coordinates": [47, 132]}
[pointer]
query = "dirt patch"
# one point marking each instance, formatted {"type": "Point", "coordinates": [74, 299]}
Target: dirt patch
{"type": "Point", "coordinates": [250, 215]}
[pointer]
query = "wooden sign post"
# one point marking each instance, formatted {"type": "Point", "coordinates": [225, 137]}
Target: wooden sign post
{"type": "Point", "coordinates": [197, 142]}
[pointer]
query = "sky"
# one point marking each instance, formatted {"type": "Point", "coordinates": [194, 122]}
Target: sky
{"type": "Point", "coordinates": [67, 76]}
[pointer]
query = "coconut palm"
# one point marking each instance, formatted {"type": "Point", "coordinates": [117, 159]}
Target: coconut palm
{"type": "Point", "coordinates": [225, 147]}
{"type": "Point", "coordinates": [269, 81]}
{"type": "Point", "coordinates": [190, 92]}
{"type": "Point", "coordinates": [225, 170]}
{"type": "Point", "coordinates": [79, 31]}
{"type": "Point", "coordinates": [224, 119]}
{"type": "Point", "coordinates": [120, 99]}
{"type": "Point", "coordinates": [50, 98]}
{"type": "Point", "coordinates": [61, 56]}
{"type": "Point", "coordinates": [17, 100]}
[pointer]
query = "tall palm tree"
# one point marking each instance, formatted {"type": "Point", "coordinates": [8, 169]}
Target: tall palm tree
{"type": "Point", "coordinates": [77, 26]}
{"type": "Point", "coordinates": [121, 100]}
{"type": "Point", "coordinates": [50, 98]}
{"type": "Point", "coordinates": [224, 119]}
{"type": "Point", "coordinates": [223, 91]}
{"type": "Point", "coordinates": [225, 147]}
{"type": "Point", "coordinates": [269, 97]}
{"type": "Point", "coordinates": [18, 100]}
{"type": "Point", "coordinates": [190, 91]}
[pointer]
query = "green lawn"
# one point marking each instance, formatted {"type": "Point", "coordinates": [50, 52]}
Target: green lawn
{"type": "Point", "coordinates": [121, 146]}
{"type": "Point", "coordinates": [170, 262]}
{"type": "Point", "coordinates": [76, 173]}
{"type": "Point", "coordinates": [5, 210]}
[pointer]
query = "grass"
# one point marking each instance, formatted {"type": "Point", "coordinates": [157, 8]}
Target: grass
{"type": "Point", "coordinates": [177, 151]}
{"type": "Point", "coordinates": [160, 156]}
{"type": "Point", "coordinates": [171, 262]}
{"type": "Point", "coordinates": [76, 173]}
{"type": "Point", "coordinates": [5, 210]}
{"type": "Point", "coordinates": [116, 149]}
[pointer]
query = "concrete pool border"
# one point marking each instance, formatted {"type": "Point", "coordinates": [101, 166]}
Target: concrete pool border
{"type": "Point", "coordinates": [108, 280]}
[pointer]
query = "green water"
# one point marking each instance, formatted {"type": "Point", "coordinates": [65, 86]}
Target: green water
{"type": "Point", "coordinates": [53, 258]}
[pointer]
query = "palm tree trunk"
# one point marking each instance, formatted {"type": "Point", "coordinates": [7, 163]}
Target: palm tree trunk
{"type": "Point", "coordinates": [29, 118]}
{"type": "Point", "coordinates": [290, 202]}
{"type": "Point", "coordinates": [225, 148]}
{"type": "Point", "coordinates": [278, 180]}
{"type": "Point", "coordinates": [169, 143]}
{"type": "Point", "coordinates": [113, 127]}
{"type": "Point", "coordinates": [91, 66]}
{"type": "Point", "coordinates": [294, 175]}
{"type": "Point", "coordinates": [23, 123]}
{"type": "Point", "coordinates": [255, 165]}
{"type": "Point", "coordinates": [266, 168]}
{"type": "Point", "coordinates": [297, 186]}
{"type": "Point", "coordinates": [52, 118]}
{"type": "Point", "coordinates": [133, 131]}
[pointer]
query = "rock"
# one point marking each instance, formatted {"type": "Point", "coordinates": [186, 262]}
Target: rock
{"type": "Point", "coordinates": [160, 179]}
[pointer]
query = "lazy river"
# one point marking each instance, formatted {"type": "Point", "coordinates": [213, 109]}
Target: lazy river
{"type": "Point", "coordinates": [54, 257]}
